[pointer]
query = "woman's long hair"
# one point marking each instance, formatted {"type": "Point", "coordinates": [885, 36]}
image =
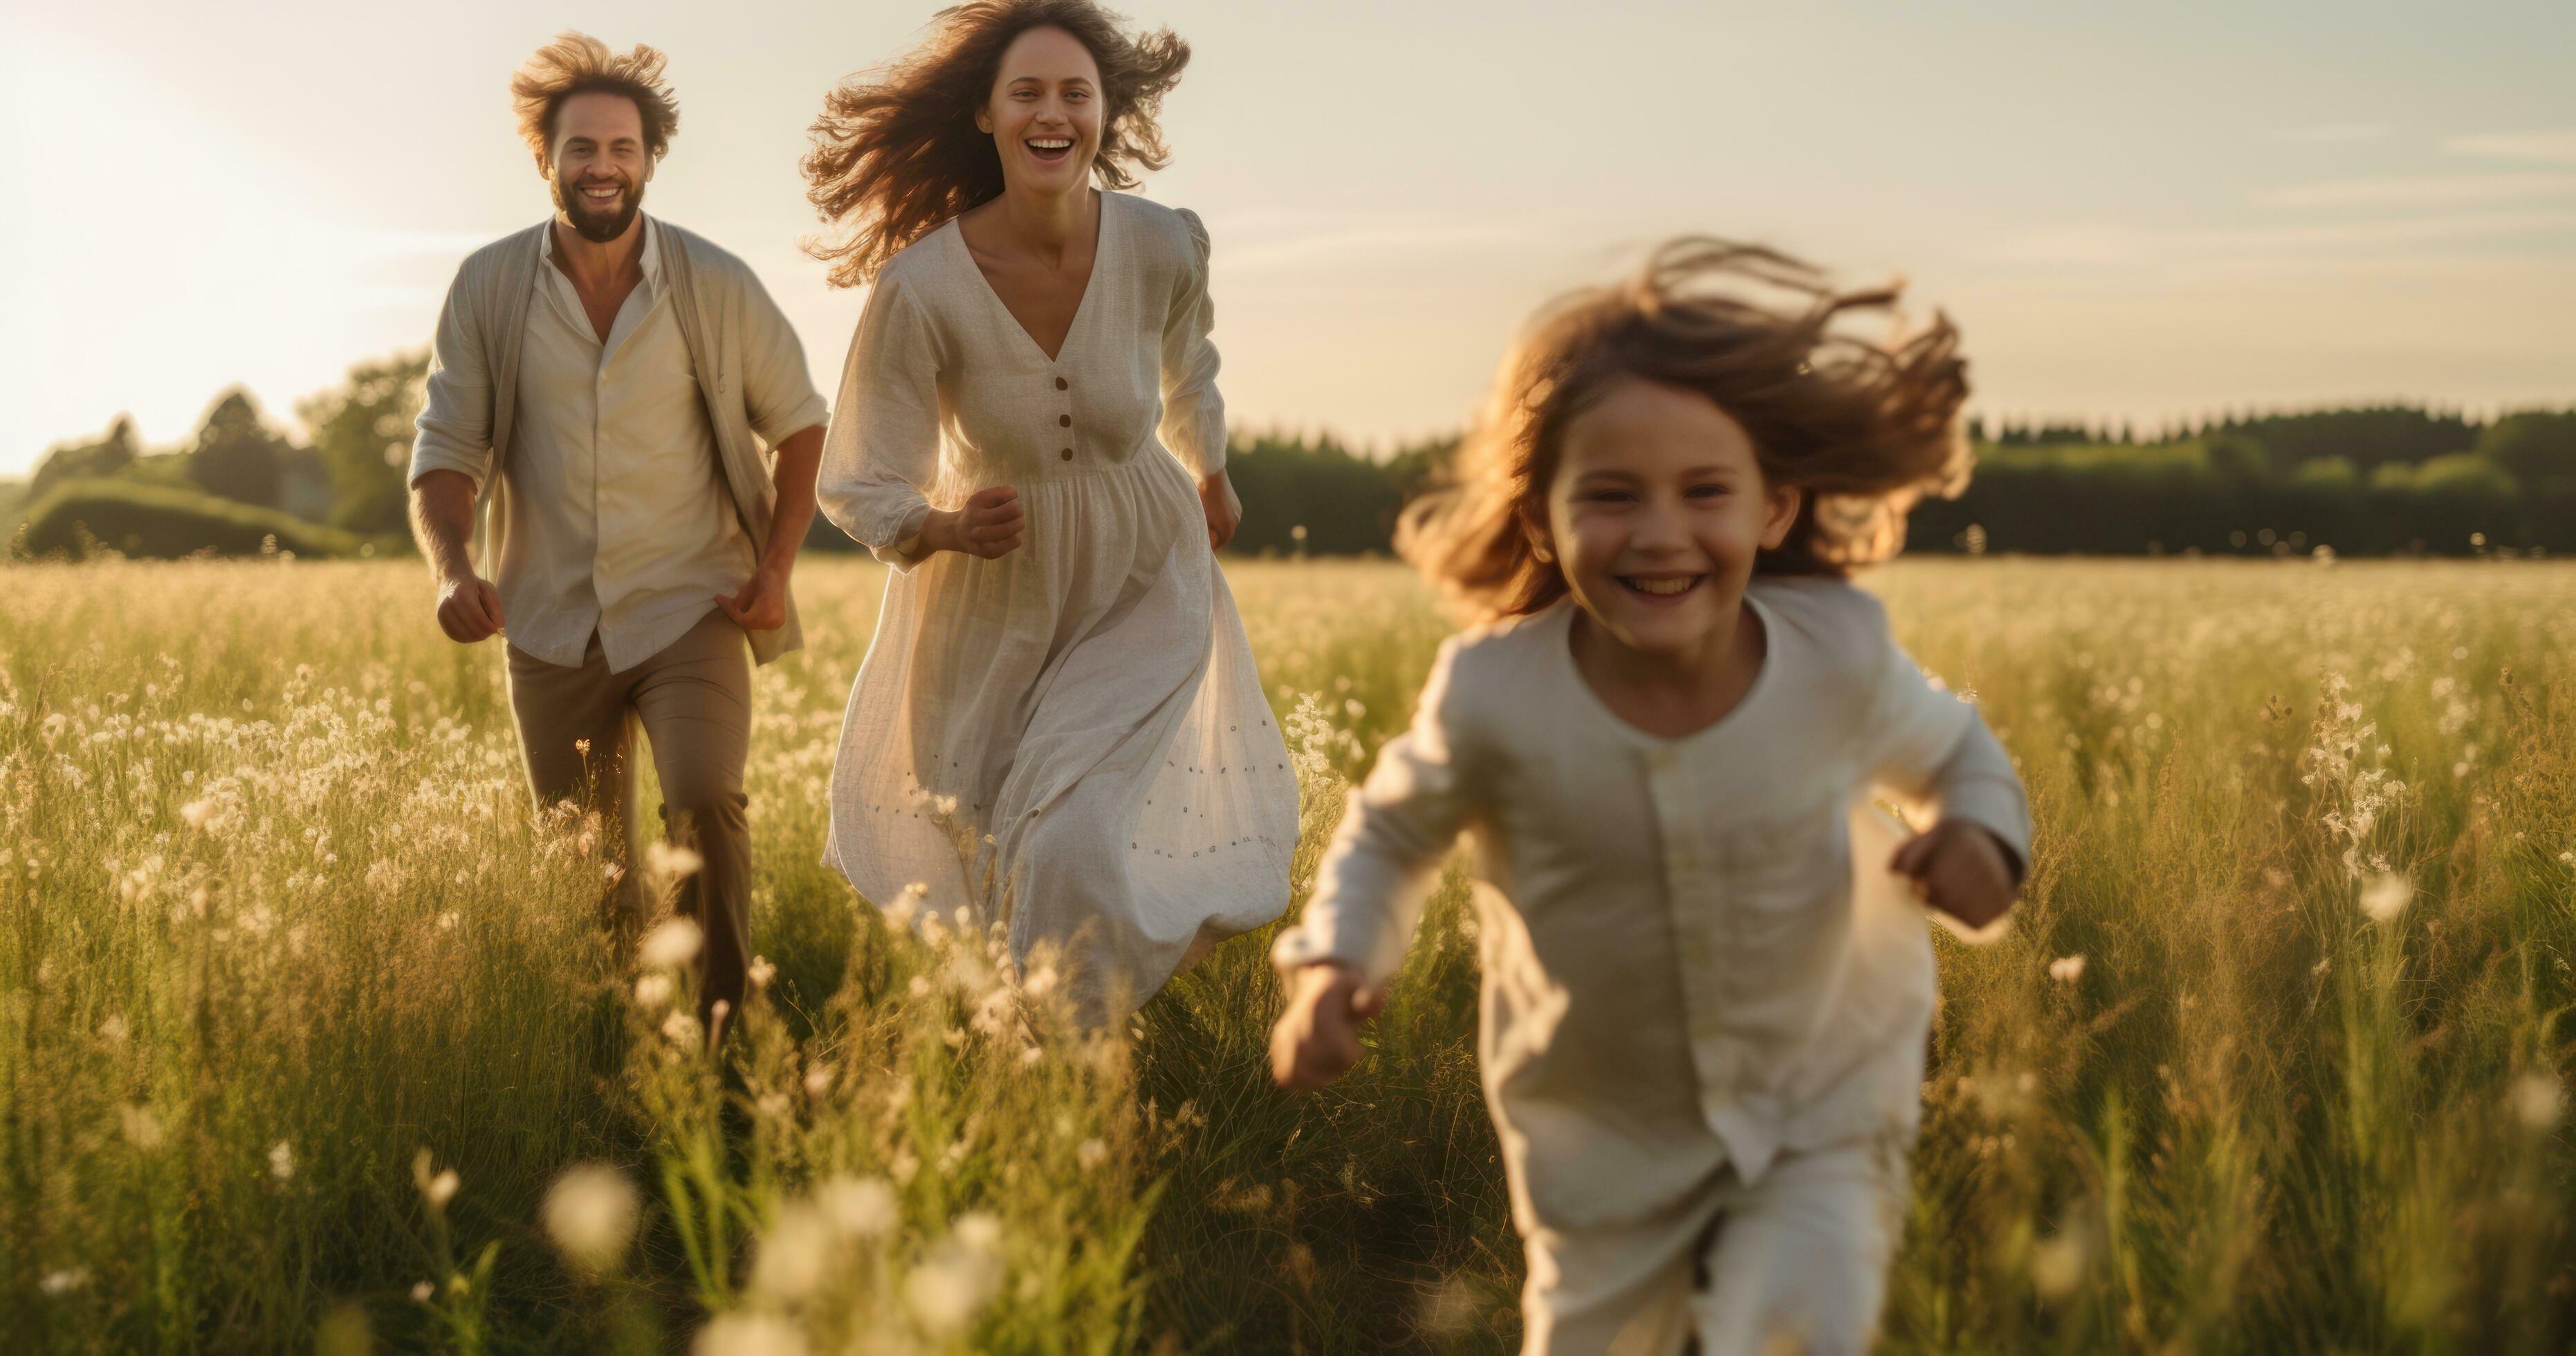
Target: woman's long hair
{"type": "Point", "coordinates": [897, 152]}
{"type": "Point", "coordinates": [1864, 428]}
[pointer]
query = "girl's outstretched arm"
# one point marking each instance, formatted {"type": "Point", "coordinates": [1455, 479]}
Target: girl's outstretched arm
{"type": "Point", "coordinates": [1369, 889]}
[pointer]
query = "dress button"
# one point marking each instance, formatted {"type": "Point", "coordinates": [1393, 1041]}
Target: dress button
{"type": "Point", "coordinates": [1059, 383]}
{"type": "Point", "coordinates": [1064, 421]}
{"type": "Point", "coordinates": [1067, 454]}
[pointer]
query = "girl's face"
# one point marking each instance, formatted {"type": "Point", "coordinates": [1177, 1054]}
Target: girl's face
{"type": "Point", "coordinates": [1044, 112]}
{"type": "Point", "coordinates": [1656, 511]}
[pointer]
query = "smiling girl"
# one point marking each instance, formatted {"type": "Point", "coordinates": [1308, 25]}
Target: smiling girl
{"type": "Point", "coordinates": [1058, 722]}
{"type": "Point", "coordinates": [1703, 1027]}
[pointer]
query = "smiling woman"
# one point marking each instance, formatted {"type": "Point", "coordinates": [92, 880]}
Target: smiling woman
{"type": "Point", "coordinates": [1059, 724]}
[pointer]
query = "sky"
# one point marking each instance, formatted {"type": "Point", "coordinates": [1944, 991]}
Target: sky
{"type": "Point", "coordinates": [2131, 211]}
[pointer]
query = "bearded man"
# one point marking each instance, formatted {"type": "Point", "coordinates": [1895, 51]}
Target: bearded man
{"type": "Point", "coordinates": [629, 417]}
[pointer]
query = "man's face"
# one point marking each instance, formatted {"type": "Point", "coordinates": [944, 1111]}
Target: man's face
{"type": "Point", "coordinates": [599, 164]}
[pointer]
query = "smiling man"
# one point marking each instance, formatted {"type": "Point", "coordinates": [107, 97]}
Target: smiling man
{"type": "Point", "coordinates": [601, 392]}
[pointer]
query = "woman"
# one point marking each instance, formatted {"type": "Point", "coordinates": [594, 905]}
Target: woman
{"type": "Point", "coordinates": [1058, 721]}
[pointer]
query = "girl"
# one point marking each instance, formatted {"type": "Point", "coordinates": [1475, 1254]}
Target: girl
{"type": "Point", "coordinates": [1029, 432]}
{"type": "Point", "coordinates": [1701, 1041]}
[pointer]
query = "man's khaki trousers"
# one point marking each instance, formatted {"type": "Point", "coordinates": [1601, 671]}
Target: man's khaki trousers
{"type": "Point", "coordinates": [692, 701]}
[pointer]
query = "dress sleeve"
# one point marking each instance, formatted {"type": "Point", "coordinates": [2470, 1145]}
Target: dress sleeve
{"type": "Point", "coordinates": [1193, 411]}
{"type": "Point", "coordinates": [454, 431]}
{"type": "Point", "coordinates": [881, 454]}
{"type": "Point", "coordinates": [1923, 743]}
{"type": "Point", "coordinates": [1386, 855]}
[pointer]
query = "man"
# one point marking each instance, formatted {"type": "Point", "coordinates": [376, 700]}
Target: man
{"type": "Point", "coordinates": [595, 389]}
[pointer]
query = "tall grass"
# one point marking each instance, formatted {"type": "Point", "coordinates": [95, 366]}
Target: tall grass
{"type": "Point", "coordinates": [309, 1034]}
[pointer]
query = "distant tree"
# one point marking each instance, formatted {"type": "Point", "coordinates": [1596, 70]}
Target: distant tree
{"type": "Point", "coordinates": [112, 452]}
{"type": "Point", "coordinates": [236, 455]}
{"type": "Point", "coordinates": [363, 433]}
{"type": "Point", "coordinates": [2538, 448]}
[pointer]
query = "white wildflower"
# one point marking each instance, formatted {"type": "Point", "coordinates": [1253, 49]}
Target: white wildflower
{"type": "Point", "coordinates": [421, 1291]}
{"type": "Point", "coordinates": [1091, 1153]}
{"type": "Point", "coordinates": [2386, 896]}
{"type": "Point", "coordinates": [675, 943]}
{"type": "Point", "coordinates": [447, 921]}
{"type": "Point", "coordinates": [2057, 1266]}
{"type": "Point", "coordinates": [652, 991]}
{"type": "Point", "coordinates": [113, 1028]}
{"type": "Point", "coordinates": [65, 1281]}
{"type": "Point", "coordinates": [2539, 1099]}
{"type": "Point", "coordinates": [281, 1161]}
{"type": "Point", "coordinates": [665, 860]}
{"type": "Point", "coordinates": [198, 813]}
{"type": "Point", "coordinates": [860, 1207]}
{"type": "Point", "coordinates": [2066, 969]}
{"type": "Point", "coordinates": [682, 1029]}
{"type": "Point", "coordinates": [762, 972]}
{"type": "Point", "coordinates": [818, 1081]}
{"type": "Point", "coordinates": [590, 1213]}
{"type": "Point", "coordinates": [141, 1128]}
{"type": "Point", "coordinates": [750, 1335]}
{"type": "Point", "coordinates": [793, 1253]}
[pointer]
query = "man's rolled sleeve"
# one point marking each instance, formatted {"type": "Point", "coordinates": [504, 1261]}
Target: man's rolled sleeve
{"type": "Point", "coordinates": [778, 392]}
{"type": "Point", "coordinates": [454, 431]}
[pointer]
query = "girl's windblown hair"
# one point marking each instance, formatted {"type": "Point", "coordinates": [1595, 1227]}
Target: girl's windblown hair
{"type": "Point", "coordinates": [1863, 427]}
{"type": "Point", "coordinates": [897, 152]}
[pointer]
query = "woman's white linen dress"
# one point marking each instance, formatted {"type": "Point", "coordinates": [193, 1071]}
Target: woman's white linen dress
{"type": "Point", "coordinates": [1089, 701]}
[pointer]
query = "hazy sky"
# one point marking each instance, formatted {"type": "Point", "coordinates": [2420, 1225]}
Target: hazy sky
{"type": "Point", "coordinates": [2131, 209]}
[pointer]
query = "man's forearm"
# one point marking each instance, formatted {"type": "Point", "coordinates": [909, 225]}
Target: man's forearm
{"type": "Point", "coordinates": [799, 456]}
{"type": "Point", "coordinates": [442, 522]}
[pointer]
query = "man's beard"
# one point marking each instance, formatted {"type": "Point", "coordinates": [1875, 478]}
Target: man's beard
{"type": "Point", "coordinates": [594, 226]}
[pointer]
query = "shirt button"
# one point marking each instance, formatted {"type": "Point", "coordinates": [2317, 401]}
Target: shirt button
{"type": "Point", "coordinates": [1060, 383]}
{"type": "Point", "coordinates": [1067, 454]}
{"type": "Point", "coordinates": [1064, 421]}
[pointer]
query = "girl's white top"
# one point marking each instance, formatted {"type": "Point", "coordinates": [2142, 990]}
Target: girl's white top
{"type": "Point", "coordinates": [1097, 679]}
{"type": "Point", "coordinates": [1679, 971]}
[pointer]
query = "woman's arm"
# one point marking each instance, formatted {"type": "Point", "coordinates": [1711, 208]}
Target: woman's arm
{"type": "Point", "coordinates": [881, 454]}
{"type": "Point", "coordinates": [1193, 412]}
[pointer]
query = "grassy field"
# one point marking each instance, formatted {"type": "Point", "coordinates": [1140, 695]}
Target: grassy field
{"type": "Point", "coordinates": [308, 1037]}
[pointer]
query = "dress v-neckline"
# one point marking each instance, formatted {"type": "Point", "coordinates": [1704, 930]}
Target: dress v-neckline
{"type": "Point", "coordinates": [1081, 306]}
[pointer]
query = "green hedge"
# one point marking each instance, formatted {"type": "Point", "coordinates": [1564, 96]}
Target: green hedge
{"type": "Point", "coordinates": [166, 522]}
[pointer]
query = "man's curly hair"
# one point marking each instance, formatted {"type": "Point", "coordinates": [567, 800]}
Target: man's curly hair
{"type": "Point", "coordinates": [577, 63]}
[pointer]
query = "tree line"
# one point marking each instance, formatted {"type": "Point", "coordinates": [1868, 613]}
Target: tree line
{"type": "Point", "coordinates": [2367, 480]}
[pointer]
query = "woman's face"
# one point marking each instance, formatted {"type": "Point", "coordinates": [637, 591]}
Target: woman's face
{"type": "Point", "coordinates": [1044, 112]}
{"type": "Point", "coordinates": [1656, 512]}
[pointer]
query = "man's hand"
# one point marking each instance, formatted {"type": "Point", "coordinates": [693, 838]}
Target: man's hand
{"type": "Point", "coordinates": [1224, 510]}
{"type": "Point", "coordinates": [469, 609]}
{"type": "Point", "coordinates": [1958, 868]}
{"type": "Point", "coordinates": [989, 526]}
{"type": "Point", "coordinates": [1318, 1038]}
{"type": "Point", "coordinates": [762, 603]}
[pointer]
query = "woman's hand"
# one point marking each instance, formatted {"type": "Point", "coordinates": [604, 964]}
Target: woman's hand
{"type": "Point", "coordinates": [1318, 1038]}
{"type": "Point", "coordinates": [1960, 869]}
{"type": "Point", "coordinates": [989, 525]}
{"type": "Point", "coordinates": [1224, 511]}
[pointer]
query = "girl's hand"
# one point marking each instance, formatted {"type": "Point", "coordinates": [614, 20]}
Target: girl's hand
{"type": "Point", "coordinates": [1960, 869]}
{"type": "Point", "coordinates": [1224, 510]}
{"type": "Point", "coordinates": [988, 526]}
{"type": "Point", "coordinates": [1318, 1037]}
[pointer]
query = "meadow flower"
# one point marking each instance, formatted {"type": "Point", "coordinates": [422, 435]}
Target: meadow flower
{"type": "Point", "coordinates": [2066, 969]}
{"type": "Point", "coordinates": [113, 1028]}
{"type": "Point", "coordinates": [447, 921]}
{"type": "Point", "coordinates": [421, 1291]}
{"type": "Point", "coordinates": [906, 905]}
{"type": "Point", "coordinates": [437, 1188]}
{"type": "Point", "coordinates": [663, 859]}
{"type": "Point", "coordinates": [652, 991]}
{"type": "Point", "coordinates": [859, 1207]}
{"type": "Point", "coordinates": [750, 1335]}
{"type": "Point", "coordinates": [281, 1161]}
{"type": "Point", "coordinates": [762, 972]}
{"type": "Point", "coordinates": [590, 1213]}
{"type": "Point", "coordinates": [818, 1081]}
{"type": "Point", "coordinates": [793, 1253]}
{"type": "Point", "coordinates": [141, 1128]}
{"type": "Point", "coordinates": [681, 1029]}
{"type": "Point", "coordinates": [1091, 1153]}
{"type": "Point", "coordinates": [950, 1285]}
{"type": "Point", "coordinates": [675, 943]}
{"type": "Point", "coordinates": [65, 1281]}
{"type": "Point", "coordinates": [2386, 896]}
{"type": "Point", "coordinates": [2057, 1265]}
{"type": "Point", "coordinates": [2539, 1099]}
